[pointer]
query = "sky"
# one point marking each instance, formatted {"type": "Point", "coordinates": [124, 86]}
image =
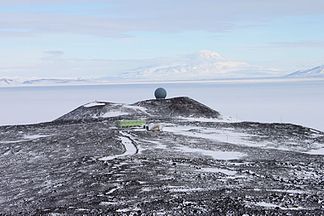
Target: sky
{"type": "Point", "coordinates": [103, 38]}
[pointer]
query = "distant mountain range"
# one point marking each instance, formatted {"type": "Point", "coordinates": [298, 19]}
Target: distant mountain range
{"type": "Point", "coordinates": [5, 81]}
{"type": "Point", "coordinates": [316, 72]}
{"type": "Point", "coordinates": [203, 65]}
{"type": "Point", "coordinates": [54, 81]}
{"type": "Point", "coordinates": [44, 82]}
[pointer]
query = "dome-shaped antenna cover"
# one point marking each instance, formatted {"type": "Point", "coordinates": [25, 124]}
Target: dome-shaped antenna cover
{"type": "Point", "coordinates": [160, 93]}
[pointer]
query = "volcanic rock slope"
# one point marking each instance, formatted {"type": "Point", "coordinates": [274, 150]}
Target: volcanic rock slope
{"type": "Point", "coordinates": [199, 164]}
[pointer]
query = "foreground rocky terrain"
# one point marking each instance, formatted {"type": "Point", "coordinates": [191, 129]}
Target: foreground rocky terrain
{"type": "Point", "coordinates": [199, 164]}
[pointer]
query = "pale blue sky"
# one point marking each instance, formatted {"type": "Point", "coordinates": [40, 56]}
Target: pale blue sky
{"type": "Point", "coordinates": [83, 38]}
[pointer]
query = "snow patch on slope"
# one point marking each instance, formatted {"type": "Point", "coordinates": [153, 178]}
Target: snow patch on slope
{"type": "Point", "coordinates": [26, 137]}
{"type": "Point", "coordinates": [113, 114]}
{"type": "Point", "coordinates": [94, 104]}
{"type": "Point", "coordinates": [202, 119]}
{"type": "Point", "coordinates": [243, 138]}
{"type": "Point", "coordinates": [319, 151]}
{"type": "Point", "coordinates": [220, 135]}
{"type": "Point", "coordinates": [217, 155]}
{"type": "Point", "coordinates": [218, 170]}
{"type": "Point", "coordinates": [122, 109]}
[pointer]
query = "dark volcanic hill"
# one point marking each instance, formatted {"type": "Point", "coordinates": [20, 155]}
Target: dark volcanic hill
{"type": "Point", "coordinates": [199, 164]}
{"type": "Point", "coordinates": [173, 107]}
{"type": "Point", "coordinates": [180, 106]}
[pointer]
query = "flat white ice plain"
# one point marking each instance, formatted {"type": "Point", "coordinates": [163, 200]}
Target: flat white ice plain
{"type": "Point", "coordinates": [299, 102]}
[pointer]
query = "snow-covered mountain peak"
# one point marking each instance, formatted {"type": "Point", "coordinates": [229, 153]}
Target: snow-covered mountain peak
{"type": "Point", "coordinates": [203, 65]}
{"type": "Point", "coordinates": [205, 56]}
{"type": "Point", "coordinates": [209, 55]}
{"type": "Point", "coordinates": [313, 72]}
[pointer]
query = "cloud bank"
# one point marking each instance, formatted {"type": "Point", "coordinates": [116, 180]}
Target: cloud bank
{"type": "Point", "coordinates": [121, 18]}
